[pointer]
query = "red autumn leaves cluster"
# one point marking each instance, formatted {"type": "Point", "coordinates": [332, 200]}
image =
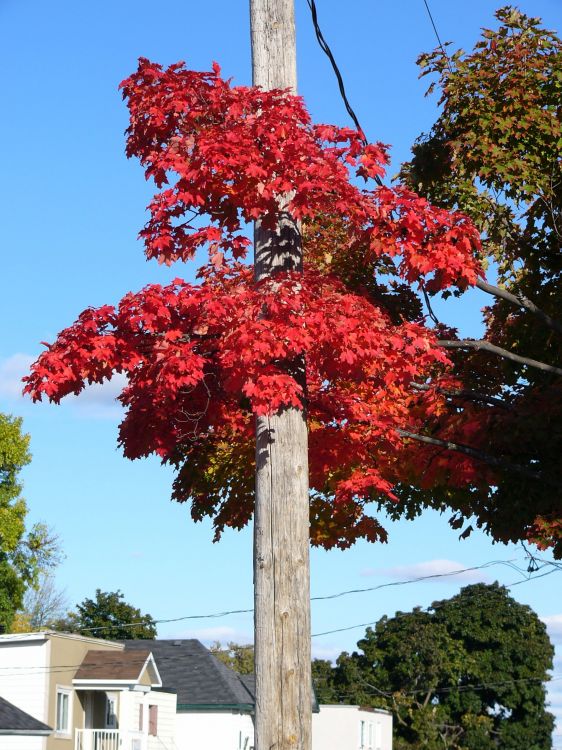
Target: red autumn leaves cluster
{"type": "Point", "coordinates": [226, 153]}
{"type": "Point", "coordinates": [202, 359]}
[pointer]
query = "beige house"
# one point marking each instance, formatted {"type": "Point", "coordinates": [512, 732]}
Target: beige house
{"type": "Point", "coordinates": [91, 693]}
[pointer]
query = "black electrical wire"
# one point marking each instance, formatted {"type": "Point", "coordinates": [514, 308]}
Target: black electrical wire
{"type": "Point", "coordinates": [325, 47]}
{"type": "Point", "coordinates": [443, 50]}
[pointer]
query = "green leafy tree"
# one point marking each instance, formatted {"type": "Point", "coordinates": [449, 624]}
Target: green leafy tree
{"type": "Point", "coordinates": [322, 672]}
{"type": "Point", "coordinates": [495, 152]}
{"type": "Point", "coordinates": [508, 654]}
{"type": "Point", "coordinates": [23, 554]}
{"type": "Point", "coordinates": [237, 657]}
{"type": "Point", "coordinates": [108, 616]}
{"type": "Point", "coordinates": [469, 674]}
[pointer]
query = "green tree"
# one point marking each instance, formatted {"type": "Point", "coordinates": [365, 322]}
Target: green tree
{"type": "Point", "coordinates": [237, 657]}
{"type": "Point", "coordinates": [508, 654]}
{"type": "Point", "coordinates": [469, 674]}
{"type": "Point", "coordinates": [495, 152]}
{"type": "Point", "coordinates": [23, 554]}
{"type": "Point", "coordinates": [324, 688]}
{"type": "Point", "coordinates": [108, 616]}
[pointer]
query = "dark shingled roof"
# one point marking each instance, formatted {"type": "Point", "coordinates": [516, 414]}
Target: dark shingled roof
{"type": "Point", "coordinates": [14, 720]}
{"type": "Point", "coordinates": [112, 665]}
{"type": "Point", "coordinates": [198, 677]}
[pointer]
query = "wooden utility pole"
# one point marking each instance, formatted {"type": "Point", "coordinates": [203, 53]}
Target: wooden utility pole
{"type": "Point", "coordinates": [281, 521]}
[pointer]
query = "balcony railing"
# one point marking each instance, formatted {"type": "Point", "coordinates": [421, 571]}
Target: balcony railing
{"type": "Point", "coordinates": [108, 739]}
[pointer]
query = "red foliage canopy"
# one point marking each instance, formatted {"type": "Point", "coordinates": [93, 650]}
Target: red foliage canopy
{"type": "Point", "coordinates": [202, 359]}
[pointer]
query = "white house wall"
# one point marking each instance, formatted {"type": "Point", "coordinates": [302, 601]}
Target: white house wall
{"type": "Point", "coordinates": [11, 742]}
{"type": "Point", "coordinates": [338, 727]}
{"type": "Point", "coordinates": [23, 682]}
{"type": "Point", "coordinates": [214, 730]}
{"type": "Point", "coordinates": [166, 702]}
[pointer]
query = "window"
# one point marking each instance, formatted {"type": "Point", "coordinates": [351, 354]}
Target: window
{"type": "Point", "coordinates": [62, 724]}
{"type": "Point", "coordinates": [361, 734]}
{"type": "Point", "coordinates": [153, 720]}
{"type": "Point", "coordinates": [141, 709]}
{"type": "Point", "coordinates": [110, 712]}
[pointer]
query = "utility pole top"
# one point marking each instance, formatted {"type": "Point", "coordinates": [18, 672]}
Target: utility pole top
{"type": "Point", "coordinates": [274, 55]}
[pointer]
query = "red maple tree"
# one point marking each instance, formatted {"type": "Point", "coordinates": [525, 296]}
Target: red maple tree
{"type": "Point", "coordinates": [202, 359]}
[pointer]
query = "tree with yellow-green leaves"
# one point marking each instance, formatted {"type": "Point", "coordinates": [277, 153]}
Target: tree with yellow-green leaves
{"type": "Point", "coordinates": [24, 553]}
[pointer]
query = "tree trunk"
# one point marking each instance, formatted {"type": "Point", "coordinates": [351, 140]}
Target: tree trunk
{"type": "Point", "coordinates": [281, 523]}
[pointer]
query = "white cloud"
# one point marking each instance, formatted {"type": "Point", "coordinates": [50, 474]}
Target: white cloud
{"type": "Point", "coordinates": [330, 653]}
{"type": "Point", "coordinates": [554, 627]}
{"type": "Point", "coordinates": [12, 371]}
{"type": "Point", "coordinates": [221, 633]}
{"type": "Point", "coordinates": [446, 568]}
{"type": "Point", "coordinates": [97, 400]}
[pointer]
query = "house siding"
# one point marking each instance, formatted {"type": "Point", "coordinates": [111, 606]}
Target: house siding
{"type": "Point", "coordinates": [23, 682]}
{"type": "Point", "coordinates": [68, 651]}
{"type": "Point", "coordinates": [214, 730]}
{"type": "Point", "coordinates": [338, 727]}
{"type": "Point", "coordinates": [166, 729]}
{"type": "Point", "coordinates": [13, 742]}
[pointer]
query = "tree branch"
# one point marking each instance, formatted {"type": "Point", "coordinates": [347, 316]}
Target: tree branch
{"type": "Point", "coordinates": [427, 698]}
{"type": "Point", "coordinates": [462, 393]}
{"type": "Point", "coordinates": [488, 347]}
{"type": "Point", "coordinates": [519, 301]}
{"type": "Point", "coordinates": [472, 452]}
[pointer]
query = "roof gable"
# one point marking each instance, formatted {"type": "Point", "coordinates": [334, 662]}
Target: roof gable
{"type": "Point", "coordinates": [198, 677]}
{"type": "Point", "coordinates": [118, 667]}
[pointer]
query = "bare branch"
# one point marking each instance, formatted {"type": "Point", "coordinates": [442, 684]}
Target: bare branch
{"type": "Point", "coordinates": [462, 393]}
{"type": "Point", "coordinates": [430, 310]}
{"type": "Point", "coordinates": [488, 347]}
{"type": "Point", "coordinates": [472, 452]}
{"type": "Point", "coordinates": [520, 301]}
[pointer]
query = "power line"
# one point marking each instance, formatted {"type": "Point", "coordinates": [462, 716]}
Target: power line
{"type": "Point", "coordinates": [472, 687]}
{"type": "Point", "coordinates": [443, 50]}
{"type": "Point", "coordinates": [325, 47]}
{"type": "Point", "coordinates": [337, 595]}
{"type": "Point", "coordinates": [434, 607]}
{"type": "Point", "coordinates": [347, 628]}
{"type": "Point", "coordinates": [63, 668]}
{"type": "Point", "coordinates": [509, 563]}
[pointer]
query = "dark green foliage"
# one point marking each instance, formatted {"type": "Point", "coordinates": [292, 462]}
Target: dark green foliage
{"type": "Point", "coordinates": [108, 616]}
{"type": "Point", "coordinates": [469, 674]}
{"type": "Point", "coordinates": [495, 152]}
{"type": "Point", "coordinates": [322, 679]}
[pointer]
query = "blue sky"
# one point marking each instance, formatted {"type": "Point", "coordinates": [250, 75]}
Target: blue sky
{"type": "Point", "coordinates": [71, 207]}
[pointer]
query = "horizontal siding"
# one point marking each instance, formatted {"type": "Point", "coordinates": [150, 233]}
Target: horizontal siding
{"type": "Point", "coordinates": [166, 703]}
{"type": "Point", "coordinates": [8, 742]}
{"type": "Point", "coordinates": [214, 731]}
{"type": "Point", "coordinates": [23, 677]}
{"type": "Point", "coordinates": [337, 727]}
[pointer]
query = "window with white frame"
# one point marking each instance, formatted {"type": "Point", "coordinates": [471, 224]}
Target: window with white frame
{"type": "Point", "coordinates": [62, 724]}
